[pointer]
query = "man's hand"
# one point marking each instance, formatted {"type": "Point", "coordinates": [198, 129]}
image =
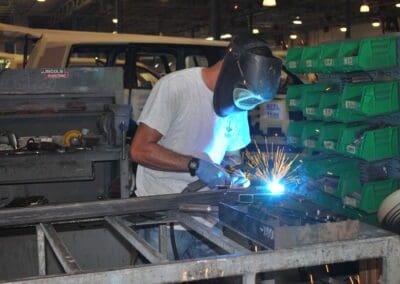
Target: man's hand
{"type": "Point", "coordinates": [212, 175]}
{"type": "Point", "coordinates": [238, 179]}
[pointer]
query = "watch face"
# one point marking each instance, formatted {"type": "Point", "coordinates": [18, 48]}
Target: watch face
{"type": "Point", "coordinates": [193, 166]}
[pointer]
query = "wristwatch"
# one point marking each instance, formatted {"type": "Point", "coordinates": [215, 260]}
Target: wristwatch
{"type": "Point", "coordinates": [193, 165]}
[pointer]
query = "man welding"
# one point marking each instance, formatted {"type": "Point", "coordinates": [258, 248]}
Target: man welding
{"type": "Point", "coordinates": [195, 117]}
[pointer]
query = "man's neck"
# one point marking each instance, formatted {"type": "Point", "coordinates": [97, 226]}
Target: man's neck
{"type": "Point", "coordinates": [210, 75]}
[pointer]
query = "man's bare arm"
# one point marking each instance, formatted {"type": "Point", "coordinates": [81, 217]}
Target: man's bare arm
{"type": "Point", "coordinates": [145, 151]}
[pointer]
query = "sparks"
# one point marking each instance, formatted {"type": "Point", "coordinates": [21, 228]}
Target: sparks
{"type": "Point", "coordinates": [274, 168]}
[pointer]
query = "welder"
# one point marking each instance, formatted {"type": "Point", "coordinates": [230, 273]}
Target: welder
{"type": "Point", "coordinates": [195, 117]}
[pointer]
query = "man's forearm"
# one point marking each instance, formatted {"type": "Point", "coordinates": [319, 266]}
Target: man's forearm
{"type": "Point", "coordinates": [160, 158]}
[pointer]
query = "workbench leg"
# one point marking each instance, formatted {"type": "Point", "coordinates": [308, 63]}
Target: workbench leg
{"type": "Point", "coordinates": [125, 177]}
{"type": "Point", "coordinates": [391, 262]}
{"type": "Point", "coordinates": [163, 240]}
{"type": "Point", "coordinates": [249, 278]}
{"type": "Point", "coordinates": [41, 250]}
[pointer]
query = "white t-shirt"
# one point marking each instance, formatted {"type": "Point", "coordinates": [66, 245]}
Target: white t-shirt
{"type": "Point", "coordinates": [180, 107]}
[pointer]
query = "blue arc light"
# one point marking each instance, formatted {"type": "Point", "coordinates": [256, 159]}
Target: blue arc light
{"type": "Point", "coordinates": [275, 187]}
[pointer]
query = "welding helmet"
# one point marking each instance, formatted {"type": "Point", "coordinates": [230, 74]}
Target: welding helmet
{"type": "Point", "coordinates": [249, 76]}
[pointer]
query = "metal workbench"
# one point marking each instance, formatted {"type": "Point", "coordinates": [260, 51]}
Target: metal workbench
{"type": "Point", "coordinates": [367, 242]}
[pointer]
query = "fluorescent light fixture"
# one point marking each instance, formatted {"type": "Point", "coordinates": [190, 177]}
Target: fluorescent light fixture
{"type": "Point", "coordinates": [210, 38]}
{"type": "Point", "coordinates": [364, 8]}
{"type": "Point", "coordinates": [343, 29]}
{"type": "Point", "coordinates": [397, 5]}
{"type": "Point", "coordinates": [376, 24]}
{"type": "Point", "coordinates": [269, 3]}
{"type": "Point", "coordinates": [225, 36]}
{"type": "Point", "coordinates": [293, 36]}
{"type": "Point", "coordinates": [255, 31]}
{"type": "Point", "coordinates": [115, 20]}
{"type": "Point", "coordinates": [297, 22]}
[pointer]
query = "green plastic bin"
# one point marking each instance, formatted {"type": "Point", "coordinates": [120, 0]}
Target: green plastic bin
{"type": "Point", "coordinates": [368, 54]}
{"type": "Point", "coordinates": [310, 59]}
{"type": "Point", "coordinates": [369, 144]}
{"type": "Point", "coordinates": [348, 57]}
{"type": "Point", "coordinates": [294, 132]}
{"type": "Point", "coordinates": [378, 53]}
{"type": "Point", "coordinates": [334, 173]}
{"type": "Point", "coordinates": [330, 109]}
{"type": "Point", "coordinates": [329, 57]}
{"type": "Point", "coordinates": [310, 134]}
{"type": "Point", "coordinates": [371, 99]}
{"type": "Point", "coordinates": [311, 96]}
{"type": "Point", "coordinates": [329, 136]}
{"type": "Point", "coordinates": [293, 59]}
{"type": "Point", "coordinates": [371, 195]}
{"type": "Point", "coordinates": [294, 97]}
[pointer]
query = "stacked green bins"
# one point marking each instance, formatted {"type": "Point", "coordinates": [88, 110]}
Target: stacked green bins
{"type": "Point", "coordinates": [311, 96]}
{"type": "Point", "coordinates": [347, 56]}
{"type": "Point", "coordinates": [349, 120]}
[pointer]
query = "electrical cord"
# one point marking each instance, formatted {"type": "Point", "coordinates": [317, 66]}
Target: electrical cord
{"type": "Point", "coordinates": [173, 242]}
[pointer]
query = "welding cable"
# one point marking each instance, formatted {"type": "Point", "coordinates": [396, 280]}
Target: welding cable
{"type": "Point", "coordinates": [173, 242]}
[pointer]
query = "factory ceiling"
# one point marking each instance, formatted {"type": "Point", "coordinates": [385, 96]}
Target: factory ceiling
{"type": "Point", "coordinates": [194, 17]}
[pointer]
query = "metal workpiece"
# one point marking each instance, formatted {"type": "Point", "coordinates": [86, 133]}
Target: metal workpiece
{"type": "Point", "coordinates": [150, 253]}
{"type": "Point", "coordinates": [201, 208]}
{"type": "Point", "coordinates": [212, 234]}
{"type": "Point", "coordinates": [361, 242]}
{"type": "Point", "coordinates": [85, 210]}
{"type": "Point", "coordinates": [62, 253]}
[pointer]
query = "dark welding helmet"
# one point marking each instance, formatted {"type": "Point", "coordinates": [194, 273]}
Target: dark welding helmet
{"type": "Point", "coordinates": [249, 76]}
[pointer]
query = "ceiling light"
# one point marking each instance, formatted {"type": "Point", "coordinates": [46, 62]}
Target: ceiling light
{"type": "Point", "coordinates": [255, 31]}
{"type": "Point", "coordinates": [225, 36]}
{"type": "Point", "coordinates": [293, 36]}
{"type": "Point", "coordinates": [376, 24]}
{"type": "Point", "coordinates": [398, 5]}
{"type": "Point", "coordinates": [269, 3]}
{"type": "Point", "coordinates": [364, 8]}
{"type": "Point", "coordinates": [343, 29]}
{"type": "Point", "coordinates": [236, 6]}
{"type": "Point", "coordinates": [115, 21]}
{"type": "Point", "coordinates": [209, 38]}
{"type": "Point", "coordinates": [41, 0]}
{"type": "Point", "coordinates": [297, 22]}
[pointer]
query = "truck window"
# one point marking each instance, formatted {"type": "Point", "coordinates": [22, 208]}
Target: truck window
{"type": "Point", "coordinates": [163, 63]}
{"type": "Point", "coordinates": [196, 61]}
{"type": "Point", "coordinates": [88, 56]}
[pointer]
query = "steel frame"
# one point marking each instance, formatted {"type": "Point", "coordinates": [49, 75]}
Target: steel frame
{"type": "Point", "coordinates": [370, 243]}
